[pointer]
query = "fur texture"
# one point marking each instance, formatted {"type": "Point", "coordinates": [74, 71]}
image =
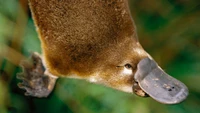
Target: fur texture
{"type": "Point", "coordinates": [92, 39]}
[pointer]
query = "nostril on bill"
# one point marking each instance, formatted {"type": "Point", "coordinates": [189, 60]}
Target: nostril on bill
{"type": "Point", "coordinates": [171, 88]}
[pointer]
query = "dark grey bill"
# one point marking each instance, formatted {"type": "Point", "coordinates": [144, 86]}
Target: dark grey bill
{"type": "Point", "coordinates": [158, 84]}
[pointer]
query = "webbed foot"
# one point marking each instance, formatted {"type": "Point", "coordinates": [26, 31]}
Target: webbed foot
{"type": "Point", "coordinates": [35, 78]}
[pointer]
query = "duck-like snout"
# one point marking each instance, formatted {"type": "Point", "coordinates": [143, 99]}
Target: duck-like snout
{"type": "Point", "coordinates": [158, 84]}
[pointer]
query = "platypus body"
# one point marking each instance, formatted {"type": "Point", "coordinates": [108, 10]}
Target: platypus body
{"type": "Point", "coordinates": [94, 40]}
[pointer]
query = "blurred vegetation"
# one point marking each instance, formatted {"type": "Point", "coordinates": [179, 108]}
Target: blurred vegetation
{"type": "Point", "coordinates": [168, 29]}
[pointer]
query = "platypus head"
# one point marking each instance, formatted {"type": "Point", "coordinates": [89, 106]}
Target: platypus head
{"type": "Point", "coordinates": [129, 68]}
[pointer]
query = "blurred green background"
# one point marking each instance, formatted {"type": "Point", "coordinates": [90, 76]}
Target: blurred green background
{"type": "Point", "coordinates": [168, 29]}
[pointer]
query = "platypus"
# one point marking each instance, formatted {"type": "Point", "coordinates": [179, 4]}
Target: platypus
{"type": "Point", "coordinates": [95, 40]}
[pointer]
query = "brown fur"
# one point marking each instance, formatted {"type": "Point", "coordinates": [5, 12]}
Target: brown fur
{"type": "Point", "coordinates": [88, 37]}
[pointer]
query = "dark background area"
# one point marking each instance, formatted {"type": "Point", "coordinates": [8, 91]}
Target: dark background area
{"type": "Point", "coordinates": [168, 29]}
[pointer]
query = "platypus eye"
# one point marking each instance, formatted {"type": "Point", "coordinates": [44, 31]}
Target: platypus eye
{"type": "Point", "coordinates": [128, 66]}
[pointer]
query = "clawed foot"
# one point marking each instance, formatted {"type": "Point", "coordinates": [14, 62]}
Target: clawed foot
{"type": "Point", "coordinates": [35, 78]}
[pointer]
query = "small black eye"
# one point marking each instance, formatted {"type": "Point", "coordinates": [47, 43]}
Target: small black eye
{"type": "Point", "coordinates": [128, 66]}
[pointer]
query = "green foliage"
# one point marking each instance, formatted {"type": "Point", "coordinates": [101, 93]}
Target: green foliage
{"type": "Point", "coordinates": [168, 29]}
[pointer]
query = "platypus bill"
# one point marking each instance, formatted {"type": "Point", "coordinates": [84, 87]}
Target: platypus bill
{"type": "Point", "coordinates": [95, 40]}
